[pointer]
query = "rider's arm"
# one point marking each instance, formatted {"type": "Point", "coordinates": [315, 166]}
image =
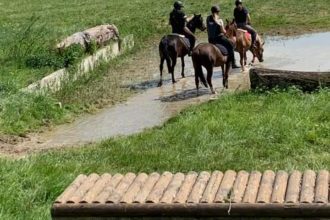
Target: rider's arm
{"type": "Point", "coordinates": [248, 19]}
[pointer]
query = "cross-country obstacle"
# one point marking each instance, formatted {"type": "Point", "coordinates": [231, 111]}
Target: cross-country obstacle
{"type": "Point", "coordinates": [228, 195]}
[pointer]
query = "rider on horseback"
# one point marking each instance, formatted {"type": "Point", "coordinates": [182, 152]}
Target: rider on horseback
{"type": "Point", "coordinates": [216, 33]}
{"type": "Point", "coordinates": [243, 20]}
{"type": "Point", "coordinates": [178, 21]}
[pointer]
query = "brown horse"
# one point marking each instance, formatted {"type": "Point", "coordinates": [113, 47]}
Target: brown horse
{"type": "Point", "coordinates": [173, 46]}
{"type": "Point", "coordinates": [243, 42]}
{"type": "Point", "coordinates": [209, 56]}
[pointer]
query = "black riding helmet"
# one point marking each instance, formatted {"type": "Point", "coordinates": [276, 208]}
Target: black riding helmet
{"type": "Point", "coordinates": [178, 5]}
{"type": "Point", "coordinates": [215, 9]}
{"type": "Point", "coordinates": [238, 2]}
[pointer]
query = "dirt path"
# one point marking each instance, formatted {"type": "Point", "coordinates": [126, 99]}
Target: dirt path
{"type": "Point", "coordinates": [153, 106]}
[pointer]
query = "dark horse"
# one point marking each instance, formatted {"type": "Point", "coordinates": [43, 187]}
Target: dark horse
{"type": "Point", "coordinates": [209, 56]}
{"type": "Point", "coordinates": [173, 46]}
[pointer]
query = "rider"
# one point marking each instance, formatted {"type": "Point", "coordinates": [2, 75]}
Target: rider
{"type": "Point", "coordinates": [178, 21]}
{"type": "Point", "coordinates": [216, 33]}
{"type": "Point", "coordinates": [243, 20]}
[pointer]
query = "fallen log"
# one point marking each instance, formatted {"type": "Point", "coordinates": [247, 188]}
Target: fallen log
{"type": "Point", "coordinates": [306, 81]}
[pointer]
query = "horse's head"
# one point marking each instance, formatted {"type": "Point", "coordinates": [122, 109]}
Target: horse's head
{"type": "Point", "coordinates": [230, 28]}
{"type": "Point", "coordinates": [197, 22]}
{"type": "Point", "coordinates": [258, 51]}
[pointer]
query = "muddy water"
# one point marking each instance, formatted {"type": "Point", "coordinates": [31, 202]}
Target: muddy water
{"type": "Point", "coordinates": [153, 106]}
{"type": "Point", "coordinates": [148, 109]}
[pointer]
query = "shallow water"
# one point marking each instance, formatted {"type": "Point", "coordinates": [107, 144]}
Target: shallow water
{"type": "Point", "coordinates": [153, 106]}
{"type": "Point", "coordinates": [309, 52]}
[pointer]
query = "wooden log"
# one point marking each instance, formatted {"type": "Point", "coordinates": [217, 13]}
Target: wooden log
{"type": "Point", "coordinates": [212, 187]}
{"type": "Point", "coordinates": [306, 81]}
{"type": "Point", "coordinates": [307, 188]}
{"type": "Point", "coordinates": [239, 187]}
{"type": "Point", "coordinates": [121, 188]}
{"type": "Point", "coordinates": [199, 187]}
{"type": "Point", "coordinates": [147, 187]}
{"type": "Point", "coordinates": [83, 188]}
{"type": "Point", "coordinates": [322, 186]}
{"type": "Point", "coordinates": [102, 197]}
{"type": "Point", "coordinates": [71, 189]}
{"type": "Point", "coordinates": [173, 188]}
{"type": "Point", "coordinates": [251, 191]}
{"type": "Point", "coordinates": [158, 190]}
{"type": "Point", "coordinates": [294, 185]}
{"type": "Point", "coordinates": [266, 187]}
{"type": "Point", "coordinates": [134, 188]}
{"type": "Point", "coordinates": [97, 188]}
{"type": "Point", "coordinates": [226, 186]}
{"type": "Point", "coordinates": [280, 185]}
{"type": "Point", "coordinates": [186, 187]}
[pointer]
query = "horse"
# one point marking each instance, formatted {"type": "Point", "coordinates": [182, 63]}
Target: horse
{"type": "Point", "coordinates": [243, 42]}
{"type": "Point", "coordinates": [173, 46]}
{"type": "Point", "coordinates": [209, 56]}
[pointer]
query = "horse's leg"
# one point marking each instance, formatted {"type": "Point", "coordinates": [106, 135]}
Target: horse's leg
{"type": "Point", "coordinates": [241, 55]}
{"type": "Point", "coordinates": [173, 66]}
{"type": "Point", "coordinates": [197, 78]}
{"type": "Point", "coordinates": [245, 58]}
{"type": "Point", "coordinates": [226, 75]}
{"type": "Point", "coordinates": [209, 77]}
{"type": "Point", "coordinates": [183, 65]}
{"type": "Point", "coordinates": [161, 66]}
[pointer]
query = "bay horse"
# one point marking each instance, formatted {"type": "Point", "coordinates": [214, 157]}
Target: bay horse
{"type": "Point", "coordinates": [243, 41]}
{"type": "Point", "coordinates": [173, 46]}
{"type": "Point", "coordinates": [209, 56]}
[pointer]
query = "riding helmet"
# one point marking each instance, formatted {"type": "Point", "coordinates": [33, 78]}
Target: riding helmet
{"type": "Point", "coordinates": [215, 9]}
{"type": "Point", "coordinates": [178, 5]}
{"type": "Point", "coordinates": [238, 2]}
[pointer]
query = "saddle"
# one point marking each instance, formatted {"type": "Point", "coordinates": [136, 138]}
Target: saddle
{"type": "Point", "coordinates": [222, 49]}
{"type": "Point", "coordinates": [182, 38]}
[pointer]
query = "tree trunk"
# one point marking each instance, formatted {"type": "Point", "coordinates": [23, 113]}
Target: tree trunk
{"type": "Point", "coordinates": [306, 81]}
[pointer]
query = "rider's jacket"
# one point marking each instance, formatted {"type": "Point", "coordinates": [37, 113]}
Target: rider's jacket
{"type": "Point", "coordinates": [213, 28]}
{"type": "Point", "coordinates": [241, 16]}
{"type": "Point", "coordinates": [178, 21]}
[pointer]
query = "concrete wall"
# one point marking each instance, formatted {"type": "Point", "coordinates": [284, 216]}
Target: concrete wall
{"type": "Point", "coordinates": [55, 80]}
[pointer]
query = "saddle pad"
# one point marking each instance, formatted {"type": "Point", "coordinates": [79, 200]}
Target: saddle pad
{"type": "Point", "coordinates": [222, 49]}
{"type": "Point", "coordinates": [247, 34]}
{"type": "Point", "coordinates": [178, 35]}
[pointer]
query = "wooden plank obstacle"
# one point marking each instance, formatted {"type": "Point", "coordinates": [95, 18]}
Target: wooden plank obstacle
{"type": "Point", "coordinates": [228, 195]}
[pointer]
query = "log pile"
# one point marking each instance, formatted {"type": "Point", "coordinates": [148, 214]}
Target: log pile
{"type": "Point", "coordinates": [306, 81]}
{"type": "Point", "coordinates": [101, 35]}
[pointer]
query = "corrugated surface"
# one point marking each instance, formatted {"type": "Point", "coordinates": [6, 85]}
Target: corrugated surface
{"type": "Point", "coordinates": [270, 187]}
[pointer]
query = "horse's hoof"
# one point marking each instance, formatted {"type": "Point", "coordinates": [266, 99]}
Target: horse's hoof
{"type": "Point", "coordinates": [160, 84]}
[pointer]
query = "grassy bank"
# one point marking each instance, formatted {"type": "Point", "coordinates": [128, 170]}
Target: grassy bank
{"type": "Point", "coordinates": [244, 131]}
{"type": "Point", "coordinates": [30, 30]}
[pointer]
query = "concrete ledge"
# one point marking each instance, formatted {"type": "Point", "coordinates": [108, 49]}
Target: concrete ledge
{"type": "Point", "coordinates": [55, 80]}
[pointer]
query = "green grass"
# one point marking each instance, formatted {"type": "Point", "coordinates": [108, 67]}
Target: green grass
{"type": "Point", "coordinates": [29, 32]}
{"type": "Point", "coordinates": [278, 130]}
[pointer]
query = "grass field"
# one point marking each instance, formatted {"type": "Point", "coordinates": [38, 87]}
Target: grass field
{"type": "Point", "coordinates": [270, 130]}
{"type": "Point", "coordinates": [245, 131]}
{"type": "Point", "coordinates": [30, 30]}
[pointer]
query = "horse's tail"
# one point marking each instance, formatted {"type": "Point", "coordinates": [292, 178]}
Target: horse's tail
{"type": "Point", "coordinates": [164, 52]}
{"type": "Point", "coordinates": [198, 66]}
